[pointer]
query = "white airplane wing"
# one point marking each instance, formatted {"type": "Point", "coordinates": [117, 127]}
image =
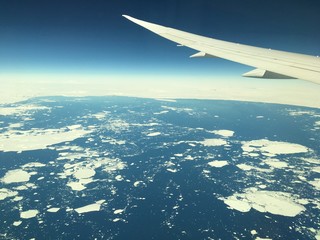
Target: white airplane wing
{"type": "Point", "coordinates": [268, 63]}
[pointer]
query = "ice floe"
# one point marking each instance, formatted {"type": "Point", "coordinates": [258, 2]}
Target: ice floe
{"type": "Point", "coordinates": [223, 133]}
{"type": "Point", "coordinates": [275, 163]}
{"type": "Point", "coordinates": [76, 186]}
{"type": "Point", "coordinates": [36, 139]}
{"type": "Point", "coordinates": [316, 169]}
{"type": "Point", "coordinates": [100, 115]}
{"type": "Point", "coordinates": [95, 207]}
{"type": "Point", "coordinates": [119, 211]}
{"type": "Point", "coordinates": [153, 134]}
{"type": "Point", "coordinates": [138, 183]}
{"type": "Point", "coordinates": [162, 112]}
{"type": "Point", "coordinates": [18, 198]}
{"type": "Point", "coordinates": [6, 193]}
{"type": "Point", "coordinates": [172, 170]}
{"type": "Point", "coordinates": [33, 165]}
{"type": "Point", "coordinates": [218, 164]}
{"type": "Point", "coordinates": [84, 173]}
{"type": "Point", "coordinates": [316, 183]}
{"type": "Point", "coordinates": [17, 223]}
{"type": "Point", "coordinates": [22, 109]}
{"type": "Point", "coordinates": [119, 178]}
{"type": "Point", "coordinates": [213, 142]}
{"type": "Point", "coordinates": [246, 167]}
{"type": "Point", "coordinates": [15, 176]}
{"type": "Point", "coordinates": [273, 147]}
{"type": "Point", "coordinates": [278, 203]}
{"type": "Point", "coordinates": [29, 214]}
{"type": "Point", "coordinates": [53, 210]}
{"type": "Point", "coordinates": [111, 165]}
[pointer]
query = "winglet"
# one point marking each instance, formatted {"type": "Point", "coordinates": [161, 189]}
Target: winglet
{"type": "Point", "coordinates": [261, 73]}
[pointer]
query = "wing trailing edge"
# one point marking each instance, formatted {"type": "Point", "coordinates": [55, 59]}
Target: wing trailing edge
{"type": "Point", "coordinates": [268, 63]}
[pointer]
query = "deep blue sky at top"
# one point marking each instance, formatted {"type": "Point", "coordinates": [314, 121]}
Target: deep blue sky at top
{"type": "Point", "coordinates": [91, 36]}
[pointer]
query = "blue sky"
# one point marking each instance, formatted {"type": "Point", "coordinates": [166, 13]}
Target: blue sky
{"type": "Point", "coordinates": [91, 37]}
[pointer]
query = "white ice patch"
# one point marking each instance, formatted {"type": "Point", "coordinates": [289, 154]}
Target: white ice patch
{"type": "Point", "coordinates": [119, 178]}
{"type": "Point", "coordinates": [76, 186]}
{"type": "Point", "coordinates": [218, 164]}
{"type": "Point", "coordinates": [316, 183]}
{"type": "Point", "coordinates": [6, 193]}
{"type": "Point", "coordinates": [138, 183]}
{"type": "Point", "coordinates": [29, 214]}
{"type": "Point", "coordinates": [118, 211]}
{"type": "Point", "coordinates": [84, 173]}
{"type": "Point", "coordinates": [15, 125]}
{"type": "Point", "coordinates": [171, 170]}
{"type": "Point", "coordinates": [33, 165]}
{"type": "Point", "coordinates": [100, 115]}
{"type": "Point", "coordinates": [236, 204]}
{"type": "Point", "coordinates": [246, 167]}
{"type": "Point", "coordinates": [311, 160]}
{"type": "Point", "coordinates": [18, 198]}
{"type": "Point", "coordinates": [273, 147]}
{"type": "Point", "coordinates": [15, 176]}
{"type": "Point", "coordinates": [112, 165]}
{"type": "Point", "coordinates": [223, 133]}
{"type": "Point", "coordinates": [154, 134]}
{"type": "Point", "coordinates": [213, 142]}
{"type": "Point", "coordinates": [162, 112]}
{"type": "Point", "coordinates": [95, 207]}
{"type": "Point", "coordinates": [278, 203]}
{"type": "Point", "coordinates": [18, 110]}
{"type": "Point", "coordinates": [36, 139]}
{"type": "Point", "coordinates": [17, 223]}
{"type": "Point", "coordinates": [53, 210]}
{"type": "Point", "coordinates": [275, 163]}
{"type": "Point", "coordinates": [316, 169]}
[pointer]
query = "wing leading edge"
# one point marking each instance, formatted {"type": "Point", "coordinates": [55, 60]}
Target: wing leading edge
{"type": "Point", "coordinates": [268, 63]}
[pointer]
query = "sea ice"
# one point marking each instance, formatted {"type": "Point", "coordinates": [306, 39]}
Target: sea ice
{"type": "Point", "coordinates": [33, 165]}
{"type": "Point", "coordinates": [5, 193]}
{"type": "Point", "coordinates": [275, 163]}
{"type": "Point", "coordinates": [53, 210]}
{"type": "Point", "coordinates": [17, 223]}
{"type": "Point", "coordinates": [119, 178]}
{"type": "Point", "coordinates": [84, 173]}
{"type": "Point", "coordinates": [19, 110]}
{"type": "Point", "coordinates": [36, 139]}
{"type": "Point", "coordinates": [95, 207]}
{"type": "Point", "coordinates": [213, 142]}
{"type": "Point", "coordinates": [278, 203]}
{"type": "Point", "coordinates": [137, 183]}
{"type": "Point", "coordinates": [29, 214]}
{"type": "Point", "coordinates": [218, 164]}
{"type": "Point", "coordinates": [153, 134]}
{"type": "Point", "coordinates": [76, 186]}
{"type": "Point", "coordinates": [15, 176]}
{"type": "Point", "coordinates": [316, 183]}
{"type": "Point", "coordinates": [118, 211]}
{"type": "Point", "coordinates": [171, 170]}
{"type": "Point", "coordinates": [223, 133]}
{"type": "Point", "coordinates": [273, 147]}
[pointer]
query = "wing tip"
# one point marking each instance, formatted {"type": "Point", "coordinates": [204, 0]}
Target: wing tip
{"type": "Point", "coordinates": [132, 19]}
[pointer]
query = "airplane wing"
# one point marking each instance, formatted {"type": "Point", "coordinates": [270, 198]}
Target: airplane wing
{"type": "Point", "coordinates": [268, 63]}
